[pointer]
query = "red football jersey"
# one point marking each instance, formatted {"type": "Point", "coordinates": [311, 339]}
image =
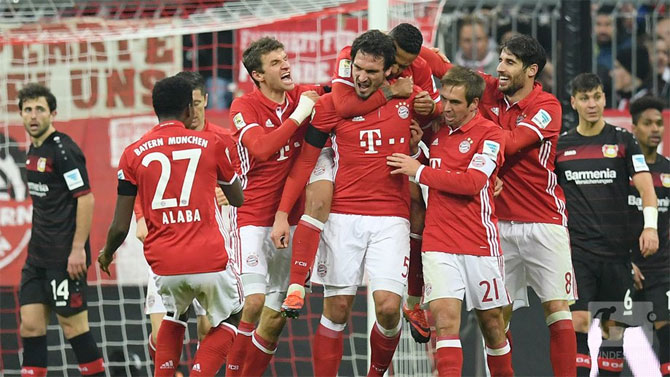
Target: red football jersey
{"type": "Point", "coordinates": [419, 70]}
{"type": "Point", "coordinates": [175, 171]}
{"type": "Point", "coordinates": [228, 140]}
{"type": "Point", "coordinates": [363, 181]}
{"type": "Point", "coordinates": [263, 181]}
{"type": "Point", "coordinates": [531, 192]}
{"type": "Point", "coordinates": [461, 224]}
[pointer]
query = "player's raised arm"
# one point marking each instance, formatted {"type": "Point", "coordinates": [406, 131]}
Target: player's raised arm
{"type": "Point", "coordinates": [262, 145]}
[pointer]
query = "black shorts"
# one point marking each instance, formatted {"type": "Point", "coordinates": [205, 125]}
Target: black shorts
{"type": "Point", "coordinates": [52, 287]}
{"type": "Point", "coordinates": [601, 279]}
{"type": "Point", "coordinates": [656, 289]}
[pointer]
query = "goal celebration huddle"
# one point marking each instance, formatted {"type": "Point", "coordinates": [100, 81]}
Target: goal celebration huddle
{"type": "Point", "coordinates": [434, 185]}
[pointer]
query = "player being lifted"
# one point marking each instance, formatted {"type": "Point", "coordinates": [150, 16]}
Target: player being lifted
{"type": "Point", "coordinates": [461, 249]}
{"type": "Point", "coordinates": [166, 167]}
{"type": "Point", "coordinates": [594, 163]}
{"type": "Point", "coordinates": [652, 278]}
{"type": "Point", "coordinates": [368, 228]}
{"type": "Point", "coordinates": [408, 70]}
{"type": "Point", "coordinates": [269, 135]}
{"type": "Point", "coordinates": [54, 275]}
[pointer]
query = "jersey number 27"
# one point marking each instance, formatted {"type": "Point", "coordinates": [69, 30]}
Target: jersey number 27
{"type": "Point", "coordinates": [193, 156]}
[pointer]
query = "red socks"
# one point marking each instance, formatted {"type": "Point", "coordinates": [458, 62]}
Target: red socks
{"type": "Point", "coordinates": [449, 356]}
{"type": "Point", "coordinates": [415, 276]}
{"type": "Point", "coordinates": [327, 348]}
{"type": "Point", "coordinates": [499, 360]}
{"type": "Point", "coordinates": [239, 349]}
{"type": "Point", "coordinates": [33, 372]}
{"type": "Point", "coordinates": [562, 344]}
{"type": "Point", "coordinates": [383, 343]}
{"type": "Point", "coordinates": [213, 350]}
{"type": "Point", "coordinates": [258, 357]}
{"type": "Point", "coordinates": [168, 350]}
{"type": "Point", "coordinates": [305, 244]}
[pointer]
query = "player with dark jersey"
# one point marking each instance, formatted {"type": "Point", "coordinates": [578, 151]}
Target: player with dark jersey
{"type": "Point", "coordinates": [594, 163]}
{"type": "Point", "coordinates": [652, 274]}
{"type": "Point", "coordinates": [54, 276]}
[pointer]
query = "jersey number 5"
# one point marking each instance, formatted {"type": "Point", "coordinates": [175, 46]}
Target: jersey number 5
{"type": "Point", "coordinates": [193, 156]}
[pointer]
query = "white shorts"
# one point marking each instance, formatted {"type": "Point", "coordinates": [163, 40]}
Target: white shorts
{"type": "Point", "coordinates": [324, 168]}
{"type": "Point", "coordinates": [537, 255]}
{"type": "Point", "coordinates": [264, 268]}
{"type": "Point", "coordinates": [220, 293]}
{"type": "Point", "coordinates": [353, 244]}
{"type": "Point", "coordinates": [154, 302]}
{"type": "Point", "coordinates": [478, 279]}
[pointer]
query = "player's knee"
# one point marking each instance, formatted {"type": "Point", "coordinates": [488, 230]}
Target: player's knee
{"type": "Point", "coordinates": [336, 309]}
{"type": "Point", "coordinates": [253, 306]}
{"type": "Point", "coordinates": [203, 327]}
{"type": "Point", "coordinates": [73, 327]}
{"type": "Point", "coordinates": [317, 205]}
{"type": "Point", "coordinates": [388, 314]}
{"type": "Point", "coordinates": [554, 306]}
{"type": "Point", "coordinates": [29, 328]}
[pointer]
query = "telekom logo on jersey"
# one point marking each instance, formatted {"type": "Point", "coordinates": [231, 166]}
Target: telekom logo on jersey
{"type": "Point", "coordinates": [373, 138]}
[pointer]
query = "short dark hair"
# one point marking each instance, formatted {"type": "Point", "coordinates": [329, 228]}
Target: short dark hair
{"type": "Point", "coordinates": [528, 50]}
{"type": "Point", "coordinates": [251, 57]}
{"type": "Point", "coordinates": [473, 83]}
{"type": "Point", "coordinates": [473, 20]}
{"type": "Point", "coordinates": [171, 96]}
{"type": "Point", "coordinates": [585, 82]}
{"type": "Point", "coordinates": [195, 79]}
{"type": "Point", "coordinates": [641, 104]}
{"type": "Point", "coordinates": [408, 37]}
{"type": "Point", "coordinates": [35, 91]}
{"type": "Point", "coordinates": [375, 43]}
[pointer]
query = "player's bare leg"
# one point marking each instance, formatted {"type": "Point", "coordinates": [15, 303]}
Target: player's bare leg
{"type": "Point", "coordinates": [498, 352]}
{"type": "Point", "coordinates": [203, 326]}
{"type": "Point", "coordinates": [449, 354]}
{"type": "Point", "coordinates": [385, 335]}
{"type": "Point", "coordinates": [412, 308]}
{"type": "Point", "coordinates": [318, 198]}
{"type": "Point", "coordinates": [76, 331]}
{"type": "Point", "coordinates": [33, 331]}
{"type": "Point", "coordinates": [581, 321]}
{"type": "Point", "coordinates": [251, 313]}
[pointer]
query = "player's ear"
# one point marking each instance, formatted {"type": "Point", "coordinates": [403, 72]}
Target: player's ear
{"type": "Point", "coordinates": [572, 102]}
{"type": "Point", "coordinates": [531, 70]}
{"type": "Point", "coordinates": [53, 114]}
{"type": "Point", "coordinates": [258, 76]}
{"type": "Point", "coordinates": [206, 99]}
{"type": "Point", "coordinates": [474, 104]}
{"type": "Point", "coordinates": [387, 73]}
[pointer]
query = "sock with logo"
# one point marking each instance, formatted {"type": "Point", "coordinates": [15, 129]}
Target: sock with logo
{"type": "Point", "coordinates": [499, 360]}
{"type": "Point", "coordinates": [449, 356]}
{"type": "Point", "coordinates": [664, 349]}
{"type": "Point", "coordinates": [610, 360]}
{"type": "Point", "coordinates": [562, 344]}
{"type": "Point", "coordinates": [241, 346]}
{"type": "Point", "coordinates": [88, 355]}
{"type": "Point", "coordinates": [383, 343]}
{"type": "Point", "coordinates": [258, 359]}
{"type": "Point", "coordinates": [304, 246]}
{"type": "Point", "coordinates": [327, 348]}
{"type": "Point", "coordinates": [415, 274]}
{"type": "Point", "coordinates": [168, 350]}
{"type": "Point", "coordinates": [34, 356]}
{"type": "Point", "coordinates": [583, 360]}
{"type": "Point", "coordinates": [213, 350]}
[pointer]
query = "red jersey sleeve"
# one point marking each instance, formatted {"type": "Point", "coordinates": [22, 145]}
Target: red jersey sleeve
{"type": "Point", "coordinates": [349, 104]}
{"type": "Point", "coordinates": [437, 65]}
{"type": "Point", "coordinates": [261, 144]}
{"type": "Point", "coordinates": [224, 169]}
{"type": "Point", "coordinates": [138, 208]}
{"type": "Point", "coordinates": [126, 172]}
{"type": "Point", "coordinates": [423, 77]}
{"type": "Point", "coordinates": [543, 122]}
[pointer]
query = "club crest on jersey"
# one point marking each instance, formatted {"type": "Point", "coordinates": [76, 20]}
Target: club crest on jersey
{"type": "Point", "coordinates": [268, 123]}
{"type": "Point", "coordinates": [464, 146]}
{"type": "Point", "coordinates": [495, 110]}
{"type": "Point", "coordinates": [403, 110]}
{"type": "Point", "coordinates": [665, 179]}
{"type": "Point", "coordinates": [610, 150]}
{"type": "Point", "coordinates": [42, 164]}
